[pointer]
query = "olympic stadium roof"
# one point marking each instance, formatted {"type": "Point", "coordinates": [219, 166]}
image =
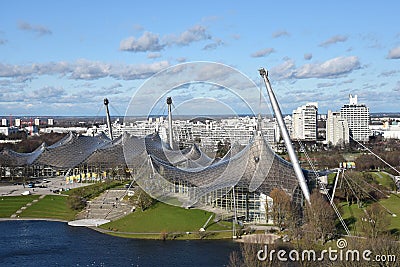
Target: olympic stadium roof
{"type": "Point", "coordinates": [159, 170]}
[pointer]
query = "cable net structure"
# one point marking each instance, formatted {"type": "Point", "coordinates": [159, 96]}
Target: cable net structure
{"type": "Point", "coordinates": [185, 178]}
{"type": "Point", "coordinates": [190, 178]}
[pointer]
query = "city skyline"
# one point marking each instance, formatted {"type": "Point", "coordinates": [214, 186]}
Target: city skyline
{"type": "Point", "coordinates": [63, 59]}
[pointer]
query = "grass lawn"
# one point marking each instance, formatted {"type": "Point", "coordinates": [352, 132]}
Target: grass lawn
{"type": "Point", "coordinates": [393, 204]}
{"type": "Point", "coordinates": [384, 179]}
{"type": "Point", "coordinates": [51, 206]}
{"type": "Point", "coordinates": [10, 204]}
{"type": "Point", "coordinates": [352, 214]}
{"type": "Point", "coordinates": [219, 235]}
{"type": "Point", "coordinates": [164, 218]}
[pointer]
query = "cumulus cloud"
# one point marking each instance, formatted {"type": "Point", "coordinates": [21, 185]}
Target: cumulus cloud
{"type": "Point", "coordinates": [181, 59]}
{"type": "Point", "coordinates": [153, 55]}
{"type": "Point", "coordinates": [47, 92]}
{"type": "Point", "coordinates": [284, 70]}
{"type": "Point", "coordinates": [333, 40]}
{"type": "Point", "coordinates": [308, 56]}
{"type": "Point", "coordinates": [278, 34]}
{"type": "Point", "coordinates": [193, 34]}
{"type": "Point", "coordinates": [38, 29]}
{"type": "Point", "coordinates": [329, 69]}
{"type": "Point", "coordinates": [263, 52]}
{"type": "Point", "coordinates": [213, 45]}
{"type": "Point", "coordinates": [151, 42]}
{"type": "Point", "coordinates": [332, 68]}
{"type": "Point", "coordinates": [394, 53]}
{"type": "Point", "coordinates": [147, 42]}
{"type": "Point", "coordinates": [83, 69]}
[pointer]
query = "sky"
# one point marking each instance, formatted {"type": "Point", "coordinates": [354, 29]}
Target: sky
{"type": "Point", "coordinates": [61, 58]}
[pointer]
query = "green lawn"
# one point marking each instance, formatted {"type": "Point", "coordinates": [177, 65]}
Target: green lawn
{"type": "Point", "coordinates": [164, 218]}
{"type": "Point", "coordinates": [393, 204]}
{"type": "Point", "coordinates": [51, 206]}
{"type": "Point", "coordinates": [384, 179]}
{"type": "Point", "coordinates": [10, 204]}
{"type": "Point", "coordinates": [352, 214]}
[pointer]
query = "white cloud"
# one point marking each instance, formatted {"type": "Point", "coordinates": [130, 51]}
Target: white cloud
{"type": "Point", "coordinates": [394, 53]}
{"type": "Point", "coordinates": [213, 45]}
{"type": "Point", "coordinates": [278, 34]}
{"type": "Point", "coordinates": [332, 68]}
{"type": "Point", "coordinates": [333, 40]}
{"type": "Point", "coordinates": [329, 69]}
{"type": "Point", "coordinates": [147, 42]}
{"type": "Point", "coordinates": [82, 69]}
{"type": "Point", "coordinates": [153, 55]}
{"type": "Point", "coordinates": [151, 42]}
{"type": "Point", "coordinates": [284, 70]}
{"type": "Point", "coordinates": [193, 34]}
{"type": "Point", "coordinates": [39, 29]}
{"type": "Point", "coordinates": [263, 52]}
{"type": "Point", "coordinates": [308, 56]}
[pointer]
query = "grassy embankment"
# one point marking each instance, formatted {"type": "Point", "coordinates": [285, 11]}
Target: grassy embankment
{"type": "Point", "coordinates": [164, 221]}
{"type": "Point", "coordinates": [353, 214]}
{"type": "Point", "coordinates": [10, 204]}
{"type": "Point", "coordinates": [158, 222]}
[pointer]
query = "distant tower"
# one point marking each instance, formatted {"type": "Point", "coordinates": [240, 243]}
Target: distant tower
{"type": "Point", "coordinates": [171, 139]}
{"type": "Point", "coordinates": [106, 102]}
{"type": "Point", "coordinates": [357, 116]}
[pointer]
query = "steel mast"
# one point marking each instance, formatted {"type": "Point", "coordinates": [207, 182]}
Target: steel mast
{"type": "Point", "coordinates": [293, 158]}
{"type": "Point", "coordinates": [170, 132]}
{"type": "Point", "coordinates": [106, 102]}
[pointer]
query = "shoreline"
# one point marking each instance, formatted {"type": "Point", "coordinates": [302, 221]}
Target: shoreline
{"type": "Point", "coordinates": [135, 235]}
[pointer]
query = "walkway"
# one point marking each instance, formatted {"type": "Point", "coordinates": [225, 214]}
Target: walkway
{"type": "Point", "coordinates": [109, 205]}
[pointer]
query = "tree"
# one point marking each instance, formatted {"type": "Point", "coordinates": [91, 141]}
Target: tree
{"type": "Point", "coordinates": [281, 207]}
{"type": "Point", "coordinates": [142, 199]}
{"type": "Point", "coordinates": [320, 218]}
{"type": "Point", "coordinates": [375, 221]}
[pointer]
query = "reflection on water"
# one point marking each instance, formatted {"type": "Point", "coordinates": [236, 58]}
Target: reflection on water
{"type": "Point", "coordinates": [41, 243]}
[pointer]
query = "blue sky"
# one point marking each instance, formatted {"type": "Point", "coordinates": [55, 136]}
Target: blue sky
{"type": "Point", "coordinates": [64, 58]}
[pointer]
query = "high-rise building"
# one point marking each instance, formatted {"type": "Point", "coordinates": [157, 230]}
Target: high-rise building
{"type": "Point", "coordinates": [304, 122]}
{"type": "Point", "coordinates": [337, 129]}
{"type": "Point", "coordinates": [357, 116]}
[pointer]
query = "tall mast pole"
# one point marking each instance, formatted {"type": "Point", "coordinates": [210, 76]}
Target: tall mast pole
{"type": "Point", "coordinates": [293, 158]}
{"type": "Point", "coordinates": [171, 139]}
{"type": "Point", "coordinates": [106, 102]}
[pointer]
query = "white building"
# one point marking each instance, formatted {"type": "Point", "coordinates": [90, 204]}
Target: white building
{"type": "Point", "coordinates": [337, 129]}
{"type": "Point", "coordinates": [357, 116]}
{"type": "Point", "coordinates": [8, 130]}
{"type": "Point", "coordinates": [37, 121]}
{"type": "Point", "coordinates": [17, 122]}
{"type": "Point", "coordinates": [304, 122]}
{"type": "Point", "coordinates": [4, 122]}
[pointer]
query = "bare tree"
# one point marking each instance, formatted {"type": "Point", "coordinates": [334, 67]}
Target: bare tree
{"type": "Point", "coordinates": [281, 207]}
{"type": "Point", "coordinates": [375, 221]}
{"type": "Point", "coordinates": [320, 218]}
